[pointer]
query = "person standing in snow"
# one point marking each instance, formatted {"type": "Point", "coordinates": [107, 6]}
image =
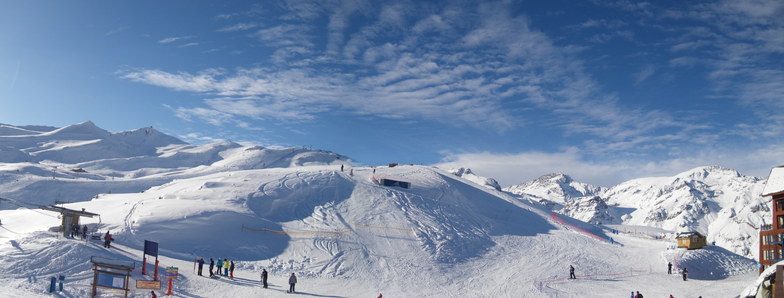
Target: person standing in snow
{"type": "Point", "coordinates": [107, 240]}
{"type": "Point", "coordinates": [685, 274]}
{"type": "Point", "coordinates": [571, 272]}
{"type": "Point", "coordinates": [201, 265]}
{"type": "Point", "coordinates": [152, 294]}
{"type": "Point", "coordinates": [225, 267]}
{"type": "Point", "coordinates": [638, 295]}
{"type": "Point", "coordinates": [84, 232]}
{"type": "Point", "coordinates": [292, 282]}
{"type": "Point", "coordinates": [341, 168]}
{"type": "Point", "coordinates": [264, 278]}
{"type": "Point", "coordinates": [220, 267]}
{"type": "Point", "coordinates": [632, 296]}
{"type": "Point", "coordinates": [669, 267]}
{"type": "Point", "coordinates": [212, 265]}
{"type": "Point", "coordinates": [231, 270]}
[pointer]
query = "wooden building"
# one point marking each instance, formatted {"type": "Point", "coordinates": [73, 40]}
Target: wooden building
{"type": "Point", "coordinates": [691, 240]}
{"type": "Point", "coordinates": [70, 217]}
{"type": "Point", "coordinates": [772, 234]}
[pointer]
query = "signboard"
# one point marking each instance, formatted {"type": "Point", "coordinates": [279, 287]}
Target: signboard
{"type": "Point", "coordinates": [172, 272]}
{"type": "Point", "coordinates": [110, 280]}
{"type": "Point", "coordinates": [148, 284]}
{"type": "Point", "coordinates": [151, 248]}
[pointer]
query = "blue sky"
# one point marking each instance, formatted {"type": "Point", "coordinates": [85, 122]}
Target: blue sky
{"type": "Point", "coordinates": [602, 90]}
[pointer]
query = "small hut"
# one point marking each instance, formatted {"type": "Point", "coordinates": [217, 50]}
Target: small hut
{"type": "Point", "coordinates": [70, 217]}
{"type": "Point", "coordinates": [691, 240]}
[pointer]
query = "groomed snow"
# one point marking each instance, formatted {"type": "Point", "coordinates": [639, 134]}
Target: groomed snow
{"type": "Point", "coordinates": [348, 237]}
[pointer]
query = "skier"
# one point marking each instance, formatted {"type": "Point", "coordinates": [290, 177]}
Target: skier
{"type": "Point", "coordinates": [264, 278]}
{"type": "Point", "coordinates": [685, 274]}
{"type": "Point", "coordinates": [201, 264]}
{"type": "Point", "coordinates": [671, 296]}
{"type": "Point", "coordinates": [231, 270]}
{"type": "Point", "coordinates": [669, 267]}
{"type": "Point", "coordinates": [152, 294]}
{"type": "Point", "coordinates": [220, 267]}
{"type": "Point", "coordinates": [571, 272]}
{"type": "Point", "coordinates": [292, 282]}
{"type": "Point", "coordinates": [212, 265]}
{"type": "Point", "coordinates": [351, 172]}
{"type": "Point", "coordinates": [225, 267]}
{"type": "Point", "coordinates": [341, 168]}
{"type": "Point", "coordinates": [632, 296]}
{"type": "Point", "coordinates": [84, 232]}
{"type": "Point", "coordinates": [638, 295]}
{"type": "Point", "coordinates": [107, 240]}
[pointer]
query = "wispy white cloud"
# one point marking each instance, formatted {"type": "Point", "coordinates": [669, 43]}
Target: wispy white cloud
{"type": "Point", "coordinates": [500, 65]}
{"type": "Point", "coordinates": [118, 30]}
{"type": "Point", "coordinates": [238, 27]}
{"type": "Point", "coordinates": [173, 39]}
{"type": "Point", "coordinates": [646, 72]}
{"type": "Point", "coordinates": [187, 45]}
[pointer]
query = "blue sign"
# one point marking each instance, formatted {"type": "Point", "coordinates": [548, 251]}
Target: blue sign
{"type": "Point", "coordinates": [109, 280]}
{"type": "Point", "coordinates": [151, 248]}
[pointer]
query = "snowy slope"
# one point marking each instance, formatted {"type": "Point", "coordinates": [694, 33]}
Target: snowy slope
{"type": "Point", "coordinates": [467, 174]}
{"type": "Point", "coordinates": [718, 202]}
{"type": "Point", "coordinates": [345, 236]}
{"type": "Point", "coordinates": [294, 210]}
{"type": "Point", "coordinates": [77, 162]}
{"type": "Point", "coordinates": [556, 188]}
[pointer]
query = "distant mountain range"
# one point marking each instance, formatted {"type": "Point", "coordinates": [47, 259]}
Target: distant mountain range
{"type": "Point", "coordinates": [720, 203]}
{"type": "Point", "coordinates": [41, 165]}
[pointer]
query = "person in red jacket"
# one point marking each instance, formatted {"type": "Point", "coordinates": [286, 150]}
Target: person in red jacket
{"type": "Point", "coordinates": [107, 240]}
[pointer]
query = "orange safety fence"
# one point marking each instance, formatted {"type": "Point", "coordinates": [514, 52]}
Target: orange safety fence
{"type": "Point", "coordinates": [294, 232]}
{"type": "Point", "coordinates": [563, 222]}
{"type": "Point", "coordinates": [323, 232]}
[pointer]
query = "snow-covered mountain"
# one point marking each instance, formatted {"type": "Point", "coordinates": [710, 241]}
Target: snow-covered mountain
{"type": "Point", "coordinates": [467, 174]}
{"type": "Point", "coordinates": [557, 189]}
{"type": "Point", "coordinates": [293, 210]}
{"type": "Point", "coordinates": [721, 203]}
{"type": "Point", "coordinates": [41, 165]}
{"type": "Point", "coordinates": [717, 202]}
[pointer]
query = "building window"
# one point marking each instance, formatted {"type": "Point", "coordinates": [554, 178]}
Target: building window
{"type": "Point", "coordinates": [780, 221]}
{"type": "Point", "coordinates": [779, 205]}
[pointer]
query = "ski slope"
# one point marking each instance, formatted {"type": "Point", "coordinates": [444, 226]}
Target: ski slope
{"type": "Point", "coordinates": [345, 236]}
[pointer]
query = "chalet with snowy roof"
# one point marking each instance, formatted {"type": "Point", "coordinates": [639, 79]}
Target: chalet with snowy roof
{"type": "Point", "coordinates": [691, 240]}
{"type": "Point", "coordinates": [772, 234]}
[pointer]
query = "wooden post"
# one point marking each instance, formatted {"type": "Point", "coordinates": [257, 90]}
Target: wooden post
{"type": "Point", "coordinates": [778, 286]}
{"type": "Point", "coordinates": [169, 291]}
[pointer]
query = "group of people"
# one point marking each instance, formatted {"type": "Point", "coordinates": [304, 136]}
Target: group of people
{"type": "Point", "coordinates": [226, 268]}
{"type": "Point", "coordinates": [77, 232]}
{"type": "Point", "coordinates": [685, 272]}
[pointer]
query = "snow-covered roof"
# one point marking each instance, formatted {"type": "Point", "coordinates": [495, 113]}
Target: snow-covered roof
{"type": "Point", "coordinates": [688, 234]}
{"type": "Point", "coordinates": [775, 182]}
